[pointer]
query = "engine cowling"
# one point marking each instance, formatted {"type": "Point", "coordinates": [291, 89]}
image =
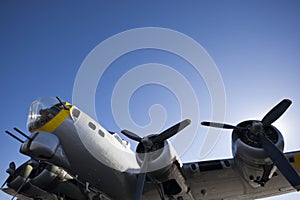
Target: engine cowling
{"type": "Point", "coordinates": [164, 167]}
{"type": "Point", "coordinates": [250, 158]}
{"type": "Point", "coordinates": [40, 180]}
{"type": "Point", "coordinates": [162, 155]}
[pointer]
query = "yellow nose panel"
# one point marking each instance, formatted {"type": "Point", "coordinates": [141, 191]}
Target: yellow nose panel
{"type": "Point", "coordinates": [54, 122]}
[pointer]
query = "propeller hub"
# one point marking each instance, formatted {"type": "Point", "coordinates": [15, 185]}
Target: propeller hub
{"type": "Point", "coordinates": [148, 144]}
{"type": "Point", "coordinates": [250, 135]}
{"type": "Point", "coordinates": [10, 171]}
{"type": "Point", "coordinates": [12, 168]}
{"type": "Point", "coordinates": [257, 127]}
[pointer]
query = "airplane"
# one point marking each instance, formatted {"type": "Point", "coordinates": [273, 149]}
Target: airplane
{"type": "Point", "coordinates": [72, 157]}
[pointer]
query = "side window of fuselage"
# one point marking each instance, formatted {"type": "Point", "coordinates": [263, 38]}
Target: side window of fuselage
{"type": "Point", "coordinates": [118, 138]}
{"type": "Point", "coordinates": [101, 133]}
{"type": "Point", "coordinates": [92, 126]}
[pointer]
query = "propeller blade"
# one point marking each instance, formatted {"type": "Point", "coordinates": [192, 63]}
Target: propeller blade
{"type": "Point", "coordinates": [140, 186]}
{"type": "Point", "coordinates": [11, 170]}
{"type": "Point", "coordinates": [276, 112]}
{"type": "Point", "coordinates": [2, 186]}
{"type": "Point", "coordinates": [131, 135]}
{"type": "Point", "coordinates": [171, 131]}
{"type": "Point", "coordinates": [280, 161]}
{"type": "Point", "coordinates": [220, 125]}
{"type": "Point", "coordinates": [142, 178]}
{"type": "Point", "coordinates": [26, 175]}
{"type": "Point", "coordinates": [12, 166]}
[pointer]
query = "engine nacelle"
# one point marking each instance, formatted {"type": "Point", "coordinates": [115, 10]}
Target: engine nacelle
{"type": "Point", "coordinates": [164, 167]}
{"type": "Point", "coordinates": [164, 156]}
{"type": "Point", "coordinates": [40, 180]}
{"type": "Point", "coordinates": [250, 158]}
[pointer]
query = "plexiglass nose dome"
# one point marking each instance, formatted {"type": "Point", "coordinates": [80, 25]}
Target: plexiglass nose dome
{"type": "Point", "coordinates": [41, 111]}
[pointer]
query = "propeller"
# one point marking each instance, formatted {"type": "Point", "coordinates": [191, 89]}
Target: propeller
{"type": "Point", "coordinates": [280, 161]}
{"type": "Point", "coordinates": [142, 177]}
{"type": "Point", "coordinates": [269, 147]}
{"type": "Point", "coordinates": [267, 120]}
{"type": "Point", "coordinates": [26, 173]}
{"type": "Point", "coordinates": [149, 141]}
{"type": "Point", "coordinates": [220, 125]}
{"type": "Point", "coordinates": [149, 144]}
{"type": "Point", "coordinates": [276, 112]}
{"type": "Point", "coordinates": [11, 170]}
{"type": "Point", "coordinates": [2, 186]}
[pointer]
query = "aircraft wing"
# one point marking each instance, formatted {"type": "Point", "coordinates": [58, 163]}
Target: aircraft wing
{"type": "Point", "coordinates": [12, 192]}
{"type": "Point", "coordinates": [215, 179]}
{"type": "Point", "coordinates": [221, 179]}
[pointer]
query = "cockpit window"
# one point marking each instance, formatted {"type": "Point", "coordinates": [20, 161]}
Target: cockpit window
{"type": "Point", "coordinates": [75, 112]}
{"type": "Point", "coordinates": [42, 111]}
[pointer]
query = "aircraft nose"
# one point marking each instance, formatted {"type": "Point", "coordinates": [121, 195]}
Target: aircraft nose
{"type": "Point", "coordinates": [42, 111]}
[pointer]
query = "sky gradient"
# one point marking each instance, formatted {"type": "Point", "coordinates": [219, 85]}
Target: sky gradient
{"type": "Point", "coordinates": [254, 44]}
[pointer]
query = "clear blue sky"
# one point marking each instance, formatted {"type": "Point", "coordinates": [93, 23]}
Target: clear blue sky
{"type": "Point", "coordinates": [255, 45]}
